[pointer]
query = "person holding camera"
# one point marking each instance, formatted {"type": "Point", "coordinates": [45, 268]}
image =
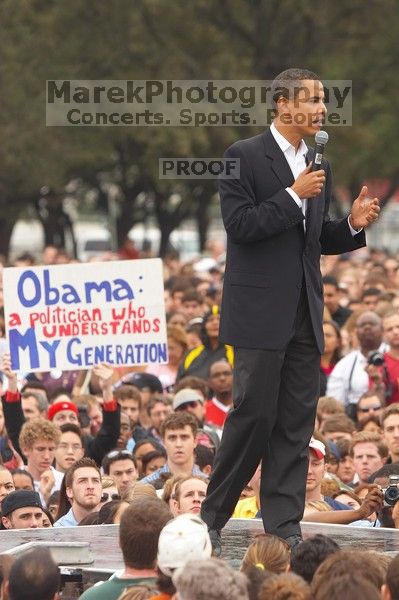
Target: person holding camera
{"type": "Point", "coordinates": [387, 479]}
{"type": "Point", "coordinates": [333, 511]}
{"type": "Point", "coordinates": [383, 369]}
{"type": "Point", "coordinates": [349, 379]}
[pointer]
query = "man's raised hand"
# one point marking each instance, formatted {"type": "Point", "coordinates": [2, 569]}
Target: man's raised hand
{"type": "Point", "coordinates": [364, 210]}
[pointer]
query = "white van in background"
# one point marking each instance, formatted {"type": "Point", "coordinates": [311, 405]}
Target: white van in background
{"type": "Point", "coordinates": [93, 238]}
{"type": "Point", "coordinates": [184, 240]}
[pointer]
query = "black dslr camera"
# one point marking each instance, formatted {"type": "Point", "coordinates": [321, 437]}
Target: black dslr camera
{"type": "Point", "coordinates": [376, 359]}
{"type": "Point", "coordinates": [391, 493]}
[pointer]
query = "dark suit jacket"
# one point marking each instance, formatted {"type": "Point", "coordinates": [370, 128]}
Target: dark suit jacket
{"type": "Point", "coordinates": [268, 253]}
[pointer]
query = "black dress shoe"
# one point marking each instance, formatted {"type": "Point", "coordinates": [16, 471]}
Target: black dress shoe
{"type": "Point", "coordinates": [216, 541]}
{"type": "Point", "coordinates": [293, 540]}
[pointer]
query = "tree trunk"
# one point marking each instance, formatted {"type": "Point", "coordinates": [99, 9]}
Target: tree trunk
{"type": "Point", "coordinates": [6, 229]}
{"type": "Point", "coordinates": [202, 215]}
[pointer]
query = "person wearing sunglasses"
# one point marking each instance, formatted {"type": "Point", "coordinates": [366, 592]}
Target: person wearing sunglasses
{"type": "Point", "coordinates": [110, 491]}
{"type": "Point", "coordinates": [369, 404]}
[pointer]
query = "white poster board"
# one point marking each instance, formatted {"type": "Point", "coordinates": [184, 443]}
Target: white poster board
{"type": "Point", "coordinates": [74, 316]}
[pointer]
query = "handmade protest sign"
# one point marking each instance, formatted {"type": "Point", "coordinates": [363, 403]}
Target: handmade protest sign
{"type": "Point", "coordinates": [75, 316]}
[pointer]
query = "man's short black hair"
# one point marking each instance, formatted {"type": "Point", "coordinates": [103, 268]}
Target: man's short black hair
{"type": "Point", "coordinates": [34, 576]}
{"type": "Point", "coordinates": [204, 456]}
{"type": "Point", "coordinates": [307, 556]}
{"type": "Point", "coordinates": [330, 280]}
{"type": "Point", "coordinates": [114, 456]}
{"type": "Point", "coordinates": [371, 291]}
{"type": "Point", "coordinates": [385, 471]}
{"type": "Point", "coordinates": [287, 81]}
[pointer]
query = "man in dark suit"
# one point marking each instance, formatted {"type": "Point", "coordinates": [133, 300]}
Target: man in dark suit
{"type": "Point", "coordinates": [277, 223]}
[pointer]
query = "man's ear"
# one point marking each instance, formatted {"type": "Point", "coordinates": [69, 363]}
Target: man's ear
{"type": "Point", "coordinates": [207, 470]}
{"type": "Point", "coordinates": [281, 104]}
{"type": "Point", "coordinates": [69, 493]}
{"type": "Point", "coordinates": [385, 592]}
{"type": "Point", "coordinates": [6, 522]}
{"type": "Point", "coordinates": [174, 507]}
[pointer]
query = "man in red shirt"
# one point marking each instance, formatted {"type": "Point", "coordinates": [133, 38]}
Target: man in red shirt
{"type": "Point", "coordinates": [386, 378]}
{"type": "Point", "coordinates": [221, 383]}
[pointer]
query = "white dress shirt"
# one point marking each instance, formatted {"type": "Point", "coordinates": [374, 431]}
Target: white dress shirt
{"type": "Point", "coordinates": [296, 160]}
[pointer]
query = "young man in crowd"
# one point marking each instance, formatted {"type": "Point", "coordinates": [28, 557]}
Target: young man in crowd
{"type": "Point", "coordinates": [179, 432]}
{"type": "Point", "coordinates": [192, 304]}
{"type": "Point", "coordinates": [346, 470]}
{"type": "Point", "coordinates": [190, 401]}
{"type": "Point", "coordinates": [122, 467]}
{"type": "Point", "coordinates": [139, 530]}
{"type": "Point", "coordinates": [63, 411]}
{"type": "Point", "coordinates": [148, 386]}
{"type": "Point", "coordinates": [125, 432]}
{"type": "Point", "coordinates": [129, 399]}
{"type": "Point", "coordinates": [189, 494]}
{"type": "Point", "coordinates": [83, 489]}
{"type": "Point", "coordinates": [38, 441]}
{"type": "Point", "coordinates": [157, 409]}
{"type": "Point", "coordinates": [339, 314]}
{"type": "Point", "coordinates": [369, 453]}
{"type": "Point", "coordinates": [22, 509]}
{"type": "Point", "coordinates": [390, 427]}
{"type": "Point", "coordinates": [69, 448]}
{"type": "Point", "coordinates": [221, 383]}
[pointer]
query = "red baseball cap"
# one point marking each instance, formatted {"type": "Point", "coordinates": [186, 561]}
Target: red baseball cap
{"type": "Point", "coordinates": [318, 448]}
{"type": "Point", "coordinates": [58, 406]}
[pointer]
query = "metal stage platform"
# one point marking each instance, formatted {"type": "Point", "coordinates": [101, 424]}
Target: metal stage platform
{"type": "Point", "coordinates": [102, 548]}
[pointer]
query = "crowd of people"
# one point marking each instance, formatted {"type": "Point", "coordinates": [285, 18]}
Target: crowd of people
{"type": "Point", "coordinates": [135, 447]}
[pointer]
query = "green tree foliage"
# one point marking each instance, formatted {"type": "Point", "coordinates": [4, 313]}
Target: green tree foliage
{"type": "Point", "coordinates": [201, 39]}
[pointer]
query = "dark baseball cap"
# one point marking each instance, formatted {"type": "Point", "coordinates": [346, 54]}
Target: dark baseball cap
{"type": "Point", "coordinates": [141, 381]}
{"type": "Point", "coordinates": [20, 499]}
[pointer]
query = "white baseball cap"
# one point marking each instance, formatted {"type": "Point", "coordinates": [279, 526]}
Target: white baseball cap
{"type": "Point", "coordinates": [182, 539]}
{"type": "Point", "coordinates": [186, 395]}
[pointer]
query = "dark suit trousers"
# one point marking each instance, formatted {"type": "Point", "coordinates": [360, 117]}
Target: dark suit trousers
{"type": "Point", "coordinates": [275, 396]}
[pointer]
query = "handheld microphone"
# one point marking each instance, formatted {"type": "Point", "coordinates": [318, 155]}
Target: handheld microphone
{"type": "Point", "coordinates": [321, 139]}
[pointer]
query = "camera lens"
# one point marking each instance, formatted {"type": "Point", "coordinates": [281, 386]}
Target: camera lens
{"type": "Point", "coordinates": [391, 495]}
